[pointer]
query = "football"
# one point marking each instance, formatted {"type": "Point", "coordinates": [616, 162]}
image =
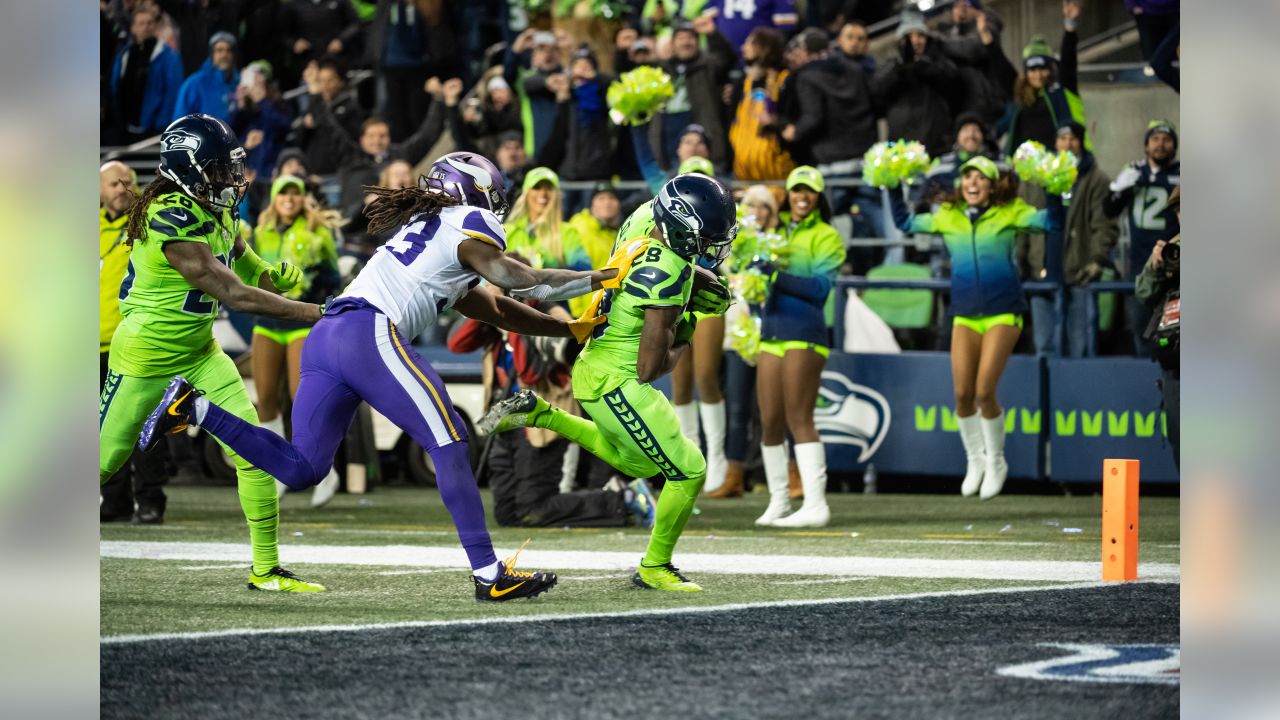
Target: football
{"type": "Point", "coordinates": [703, 279]}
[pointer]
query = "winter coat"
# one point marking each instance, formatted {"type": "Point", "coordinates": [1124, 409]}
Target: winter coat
{"type": "Point", "coordinates": [318, 22]}
{"type": "Point", "coordinates": [1089, 235]}
{"type": "Point", "coordinates": [836, 119]}
{"type": "Point", "coordinates": [705, 76]}
{"type": "Point", "coordinates": [589, 149]}
{"type": "Point", "coordinates": [271, 118]}
{"type": "Point", "coordinates": [197, 21]}
{"type": "Point", "coordinates": [320, 143]}
{"type": "Point", "coordinates": [986, 76]}
{"type": "Point", "coordinates": [916, 97]}
{"type": "Point", "coordinates": [164, 77]}
{"type": "Point", "coordinates": [210, 91]}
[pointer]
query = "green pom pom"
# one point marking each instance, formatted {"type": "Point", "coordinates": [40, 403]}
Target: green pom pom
{"type": "Point", "coordinates": [1055, 172]}
{"type": "Point", "coordinates": [751, 285]}
{"type": "Point", "coordinates": [744, 337]}
{"type": "Point", "coordinates": [636, 96]}
{"type": "Point", "coordinates": [890, 164]}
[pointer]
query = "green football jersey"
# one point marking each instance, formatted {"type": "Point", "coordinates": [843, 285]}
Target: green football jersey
{"type": "Point", "coordinates": [167, 321]}
{"type": "Point", "coordinates": [638, 224]}
{"type": "Point", "coordinates": [658, 278]}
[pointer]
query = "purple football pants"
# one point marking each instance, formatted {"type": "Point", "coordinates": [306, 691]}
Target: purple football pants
{"type": "Point", "coordinates": [355, 353]}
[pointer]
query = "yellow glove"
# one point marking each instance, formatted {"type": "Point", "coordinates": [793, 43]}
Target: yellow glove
{"type": "Point", "coordinates": [583, 326]}
{"type": "Point", "coordinates": [285, 275]}
{"type": "Point", "coordinates": [621, 261]}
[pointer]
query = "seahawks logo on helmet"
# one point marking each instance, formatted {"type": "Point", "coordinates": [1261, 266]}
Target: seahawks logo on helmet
{"type": "Point", "coordinates": [678, 207]}
{"type": "Point", "coordinates": [179, 140]}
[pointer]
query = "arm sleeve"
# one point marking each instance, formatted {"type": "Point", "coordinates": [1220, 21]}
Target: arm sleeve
{"type": "Point", "coordinates": [1104, 231]}
{"type": "Point", "coordinates": [416, 146]}
{"type": "Point", "coordinates": [556, 147]}
{"type": "Point", "coordinates": [720, 50]}
{"type": "Point", "coordinates": [249, 267]}
{"type": "Point", "coordinates": [1050, 219]}
{"type": "Point", "coordinates": [1163, 58]}
{"type": "Point", "coordinates": [648, 164]}
{"type": "Point", "coordinates": [351, 25]}
{"type": "Point", "coordinates": [1067, 67]}
{"type": "Point", "coordinates": [1000, 70]}
{"type": "Point", "coordinates": [829, 254]}
{"type": "Point", "coordinates": [884, 84]}
{"type": "Point", "coordinates": [811, 118]}
{"type": "Point", "coordinates": [907, 221]}
{"type": "Point", "coordinates": [173, 80]}
{"type": "Point", "coordinates": [347, 146]}
{"type": "Point", "coordinates": [1115, 202]}
{"type": "Point", "coordinates": [1146, 284]}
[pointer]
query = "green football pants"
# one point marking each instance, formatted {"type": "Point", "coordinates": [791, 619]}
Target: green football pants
{"type": "Point", "coordinates": [634, 429]}
{"type": "Point", "coordinates": [127, 401]}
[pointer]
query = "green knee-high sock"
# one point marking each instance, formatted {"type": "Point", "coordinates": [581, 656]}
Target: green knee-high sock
{"type": "Point", "coordinates": [675, 505]}
{"type": "Point", "coordinates": [262, 511]}
{"type": "Point", "coordinates": [584, 432]}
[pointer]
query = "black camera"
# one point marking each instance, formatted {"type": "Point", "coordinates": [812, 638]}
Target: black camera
{"type": "Point", "coordinates": [1170, 255]}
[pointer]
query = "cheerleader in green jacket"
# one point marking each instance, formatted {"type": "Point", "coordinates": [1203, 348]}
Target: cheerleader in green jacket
{"type": "Point", "coordinates": [979, 225]}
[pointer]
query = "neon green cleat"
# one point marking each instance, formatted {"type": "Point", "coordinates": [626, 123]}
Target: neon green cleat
{"type": "Point", "coordinates": [518, 411]}
{"type": "Point", "coordinates": [281, 580]}
{"type": "Point", "coordinates": [663, 577]}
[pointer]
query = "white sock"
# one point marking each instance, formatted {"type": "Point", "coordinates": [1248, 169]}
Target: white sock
{"type": "Point", "coordinates": [488, 573]}
{"type": "Point", "coordinates": [201, 409]}
{"type": "Point", "coordinates": [811, 459]}
{"type": "Point", "coordinates": [774, 458]}
{"type": "Point", "coordinates": [687, 414]}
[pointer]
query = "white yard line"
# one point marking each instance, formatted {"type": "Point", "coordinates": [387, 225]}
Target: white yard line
{"type": "Point", "coordinates": [556, 617]}
{"type": "Point", "coordinates": [453, 557]}
{"type": "Point", "coordinates": [823, 581]}
{"type": "Point", "coordinates": [223, 566]}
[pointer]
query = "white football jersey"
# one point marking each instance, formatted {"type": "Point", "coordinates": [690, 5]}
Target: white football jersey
{"type": "Point", "coordinates": [416, 275]}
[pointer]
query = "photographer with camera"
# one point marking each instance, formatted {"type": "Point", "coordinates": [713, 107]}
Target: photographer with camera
{"type": "Point", "coordinates": [1158, 288]}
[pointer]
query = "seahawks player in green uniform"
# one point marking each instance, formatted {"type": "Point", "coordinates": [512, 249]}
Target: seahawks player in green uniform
{"type": "Point", "coordinates": [647, 324]}
{"type": "Point", "coordinates": [187, 257]}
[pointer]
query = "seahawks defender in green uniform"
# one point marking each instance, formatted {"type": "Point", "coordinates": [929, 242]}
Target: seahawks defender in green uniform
{"type": "Point", "coordinates": [188, 257]}
{"type": "Point", "coordinates": [647, 324]}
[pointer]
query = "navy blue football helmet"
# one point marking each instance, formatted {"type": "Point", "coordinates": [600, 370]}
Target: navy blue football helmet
{"type": "Point", "coordinates": [202, 155]}
{"type": "Point", "coordinates": [471, 178]}
{"type": "Point", "coordinates": [697, 218]}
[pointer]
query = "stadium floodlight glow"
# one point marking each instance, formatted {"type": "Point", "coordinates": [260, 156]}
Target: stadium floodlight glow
{"type": "Point", "coordinates": [926, 5]}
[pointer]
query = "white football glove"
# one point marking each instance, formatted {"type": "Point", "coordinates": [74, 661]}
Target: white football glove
{"type": "Point", "coordinates": [1127, 178]}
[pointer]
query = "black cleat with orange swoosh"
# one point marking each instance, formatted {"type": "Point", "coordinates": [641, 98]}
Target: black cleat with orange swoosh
{"type": "Point", "coordinates": [512, 584]}
{"type": "Point", "coordinates": [172, 415]}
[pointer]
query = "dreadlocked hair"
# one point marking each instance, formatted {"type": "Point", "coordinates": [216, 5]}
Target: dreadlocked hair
{"type": "Point", "coordinates": [392, 208]}
{"type": "Point", "coordinates": [136, 227]}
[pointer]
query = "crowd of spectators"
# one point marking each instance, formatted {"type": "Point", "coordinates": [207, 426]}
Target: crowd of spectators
{"type": "Point", "coordinates": [344, 91]}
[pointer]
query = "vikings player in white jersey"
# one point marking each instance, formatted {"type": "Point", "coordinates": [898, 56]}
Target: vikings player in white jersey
{"type": "Point", "coordinates": [450, 236]}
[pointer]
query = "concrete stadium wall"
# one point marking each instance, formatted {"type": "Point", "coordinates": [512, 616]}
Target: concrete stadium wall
{"type": "Point", "coordinates": [1118, 115]}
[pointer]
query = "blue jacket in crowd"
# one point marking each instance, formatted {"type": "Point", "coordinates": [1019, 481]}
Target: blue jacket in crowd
{"type": "Point", "coordinates": [161, 93]}
{"type": "Point", "coordinates": [210, 91]}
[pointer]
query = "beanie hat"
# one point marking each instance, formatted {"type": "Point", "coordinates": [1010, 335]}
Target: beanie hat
{"type": "Point", "coordinates": [1163, 126]}
{"type": "Point", "coordinates": [1038, 54]}
{"type": "Point", "coordinates": [970, 118]}
{"type": "Point", "coordinates": [1072, 127]}
{"type": "Point", "coordinates": [911, 21]}
{"type": "Point", "coordinates": [222, 36]}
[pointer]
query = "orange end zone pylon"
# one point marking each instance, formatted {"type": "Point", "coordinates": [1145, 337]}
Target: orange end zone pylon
{"type": "Point", "coordinates": [1119, 520]}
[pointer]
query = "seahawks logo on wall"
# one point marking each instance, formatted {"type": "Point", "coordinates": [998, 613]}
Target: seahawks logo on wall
{"type": "Point", "coordinates": [179, 140]}
{"type": "Point", "coordinates": [851, 414]}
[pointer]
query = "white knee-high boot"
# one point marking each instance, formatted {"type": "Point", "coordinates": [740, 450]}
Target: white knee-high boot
{"type": "Point", "coordinates": [276, 426]}
{"type": "Point", "coordinates": [687, 414]}
{"type": "Point", "coordinates": [713, 426]}
{"type": "Point", "coordinates": [775, 473]}
{"type": "Point", "coordinates": [997, 469]}
{"type": "Point", "coordinates": [975, 451]}
{"type": "Point", "coordinates": [811, 458]}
